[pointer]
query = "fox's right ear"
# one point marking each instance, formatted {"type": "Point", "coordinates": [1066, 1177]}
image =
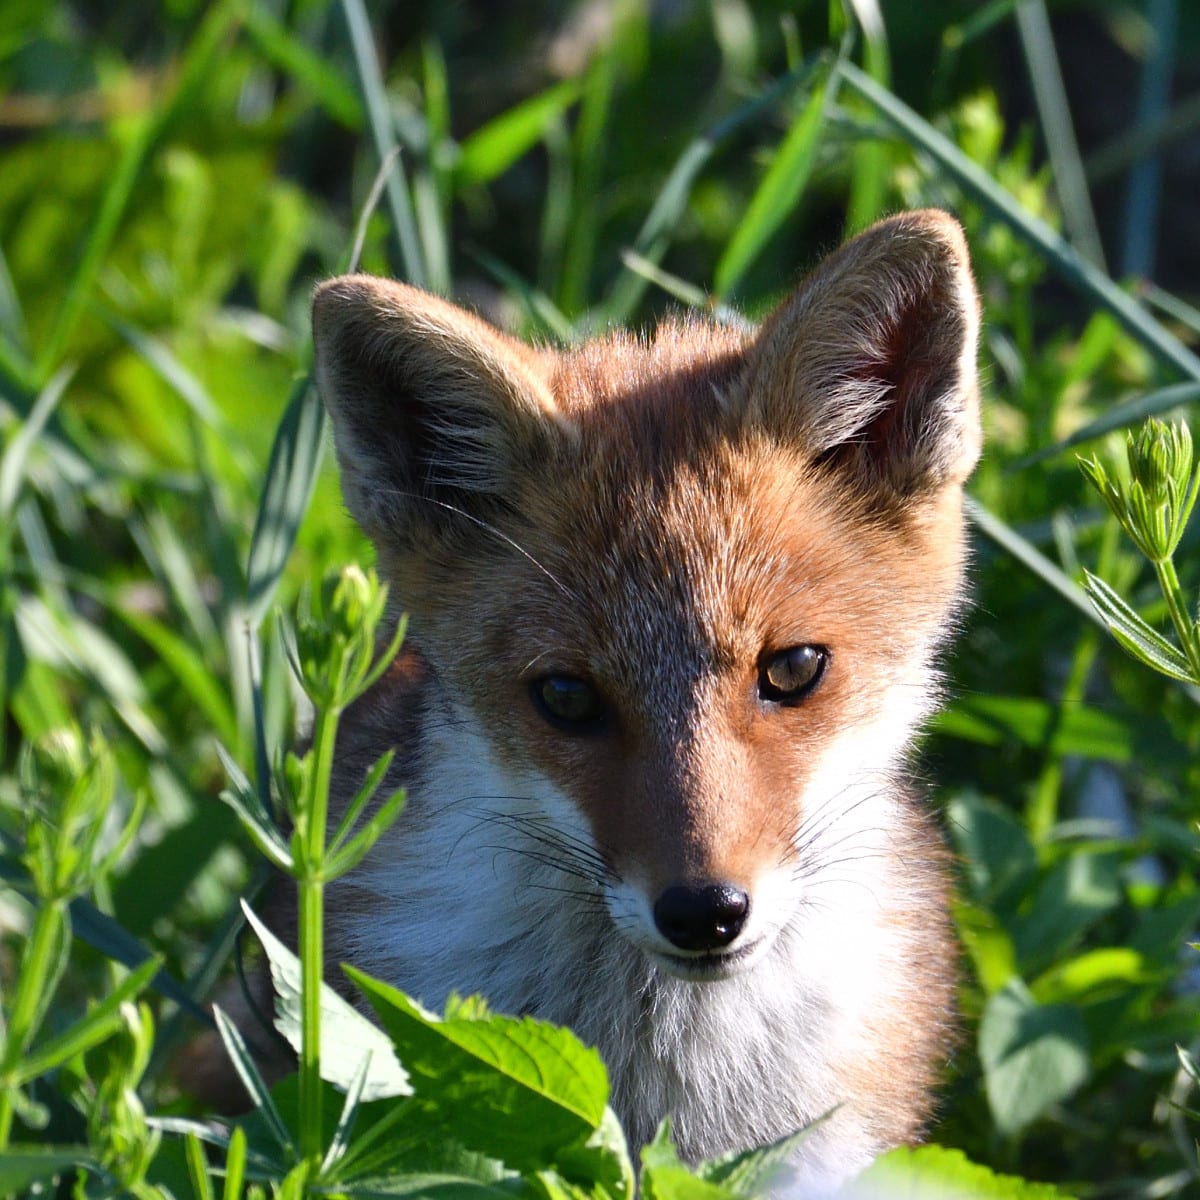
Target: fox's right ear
{"type": "Point", "coordinates": [434, 411]}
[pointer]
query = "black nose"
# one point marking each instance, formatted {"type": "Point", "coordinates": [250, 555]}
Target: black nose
{"type": "Point", "coordinates": [701, 917]}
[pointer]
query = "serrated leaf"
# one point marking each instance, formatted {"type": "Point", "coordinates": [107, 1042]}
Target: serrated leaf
{"type": "Point", "coordinates": [347, 1037]}
{"type": "Point", "coordinates": [518, 1089]}
{"type": "Point", "coordinates": [937, 1173]}
{"type": "Point", "coordinates": [1032, 1055]}
{"type": "Point", "coordinates": [761, 1170]}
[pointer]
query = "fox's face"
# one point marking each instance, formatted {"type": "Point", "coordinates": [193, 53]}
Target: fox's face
{"type": "Point", "coordinates": [685, 593]}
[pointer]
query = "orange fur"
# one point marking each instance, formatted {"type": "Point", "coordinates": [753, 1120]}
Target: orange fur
{"type": "Point", "coordinates": [658, 520]}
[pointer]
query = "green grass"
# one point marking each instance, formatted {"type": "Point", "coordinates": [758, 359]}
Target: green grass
{"type": "Point", "coordinates": [170, 191]}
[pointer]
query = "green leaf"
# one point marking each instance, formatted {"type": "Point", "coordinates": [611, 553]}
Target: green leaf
{"type": "Point", "coordinates": [1139, 639]}
{"type": "Point", "coordinates": [1152, 404]}
{"type": "Point", "coordinates": [23, 1166]}
{"type": "Point", "coordinates": [347, 1037]}
{"type": "Point", "coordinates": [287, 489]}
{"type": "Point", "coordinates": [1075, 893]}
{"type": "Point", "coordinates": [938, 1173]}
{"type": "Point", "coordinates": [16, 453]}
{"type": "Point", "coordinates": [517, 1089]}
{"type": "Point", "coordinates": [309, 70]}
{"type": "Point", "coordinates": [98, 1023]}
{"type": "Point", "coordinates": [665, 1177]}
{"type": "Point", "coordinates": [1032, 1055]}
{"type": "Point", "coordinates": [495, 146]}
{"type": "Point", "coordinates": [1092, 976]}
{"type": "Point", "coordinates": [1057, 729]}
{"type": "Point", "coordinates": [761, 1170]}
{"type": "Point", "coordinates": [777, 194]}
{"type": "Point", "coordinates": [998, 857]}
{"type": "Point", "coordinates": [254, 1083]}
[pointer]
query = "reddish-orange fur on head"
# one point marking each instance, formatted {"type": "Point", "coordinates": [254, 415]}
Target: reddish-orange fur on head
{"type": "Point", "coordinates": [658, 519]}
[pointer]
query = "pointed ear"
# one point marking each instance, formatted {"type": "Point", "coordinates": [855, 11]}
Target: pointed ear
{"type": "Point", "coordinates": [435, 413]}
{"type": "Point", "coordinates": [870, 364]}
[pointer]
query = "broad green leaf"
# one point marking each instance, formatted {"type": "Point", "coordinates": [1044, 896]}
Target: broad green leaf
{"type": "Point", "coordinates": [348, 1039]}
{"type": "Point", "coordinates": [1033, 1056]}
{"type": "Point", "coordinates": [1075, 893]}
{"type": "Point", "coordinates": [422, 1186]}
{"type": "Point", "coordinates": [494, 147]}
{"type": "Point", "coordinates": [776, 196]}
{"type": "Point", "coordinates": [988, 944]}
{"type": "Point", "coordinates": [665, 1177]}
{"type": "Point", "coordinates": [997, 854]}
{"type": "Point", "coordinates": [938, 1173]}
{"type": "Point", "coordinates": [1091, 976]}
{"type": "Point", "coordinates": [761, 1170]}
{"type": "Point", "coordinates": [1058, 729]}
{"type": "Point", "coordinates": [23, 1166]}
{"type": "Point", "coordinates": [519, 1090]}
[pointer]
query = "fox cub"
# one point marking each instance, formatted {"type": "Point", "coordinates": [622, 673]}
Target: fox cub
{"type": "Point", "coordinates": [674, 608]}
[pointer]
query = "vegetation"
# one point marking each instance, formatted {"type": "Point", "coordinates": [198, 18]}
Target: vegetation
{"type": "Point", "coordinates": [173, 184]}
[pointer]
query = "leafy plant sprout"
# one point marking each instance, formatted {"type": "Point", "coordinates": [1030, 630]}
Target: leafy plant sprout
{"type": "Point", "coordinates": [1153, 503]}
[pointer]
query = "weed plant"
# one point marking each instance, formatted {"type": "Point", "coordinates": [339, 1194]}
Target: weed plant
{"type": "Point", "coordinates": [170, 190]}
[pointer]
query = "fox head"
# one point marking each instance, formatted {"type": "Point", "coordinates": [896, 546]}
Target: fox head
{"type": "Point", "coordinates": [687, 589]}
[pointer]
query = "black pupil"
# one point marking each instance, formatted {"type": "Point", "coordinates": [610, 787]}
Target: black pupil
{"type": "Point", "coordinates": [792, 672]}
{"type": "Point", "coordinates": [571, 700]}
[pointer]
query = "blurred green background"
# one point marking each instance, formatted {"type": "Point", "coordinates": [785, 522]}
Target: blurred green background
{"type": "Point", "coordinates": [175, 177]}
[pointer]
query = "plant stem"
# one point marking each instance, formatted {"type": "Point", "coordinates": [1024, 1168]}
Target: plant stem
{"type": "Point", "coordinates": [1168, 580]}
{"type": "Point", "coordinates": [32, 981]}
{"type": "Point", "coordinates": [311, 885]}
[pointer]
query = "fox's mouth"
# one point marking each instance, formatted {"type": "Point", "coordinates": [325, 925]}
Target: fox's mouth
{"type": "Point", "coordinates": [704, 968]}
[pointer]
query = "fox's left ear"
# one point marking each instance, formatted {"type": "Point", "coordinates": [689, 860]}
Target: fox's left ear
{"type": "Point", "coordinates": [870, 365]}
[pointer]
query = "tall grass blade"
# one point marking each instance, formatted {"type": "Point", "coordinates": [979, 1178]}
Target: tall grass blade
{"type": "Point", "coordinates": [379, 118]}
{"type": "Point", "coordinates": [777, 193]}
{"type": "Point", "coordinates": [872, 158]}
{"type": "Point", "coordinates": [1068, 264]}
{"type": "Point", "coordinates": [1129, 412]}
{"type": "Point", "coordinates": [291, 476]}
{"type": "Point", "coordinates": [254, 1083]}
{"type": "Point", "coordinates": [312, 72]}
{"type": "Point", "coordinates": [219, 22]}
{"type": "Point", "coordinates": [496, 145]}
{"type": "Point", "coordinates": [658, 229]}
{"type": "Point", "coordinates": [589, 148]}
{"type": "Point", "coordinates": [16, 453]}
{"type": "Point", "coordinates": [113, 940]}
{"type": "Point", "coordinates": [1139, 237]}
{"type": "Point", "coordinates": [1050, 95]}
{"type": "Point", "coordinates": [1026, 553]}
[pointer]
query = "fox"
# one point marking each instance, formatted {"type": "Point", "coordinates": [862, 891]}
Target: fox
{"type": "Point", "coordinates": [676, 606]}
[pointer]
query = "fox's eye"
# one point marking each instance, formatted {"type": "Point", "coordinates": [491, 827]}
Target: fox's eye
{"type": "Point", "coordinates": [571, 704]}
{"type": "Point", "coordinates": [791, 674]}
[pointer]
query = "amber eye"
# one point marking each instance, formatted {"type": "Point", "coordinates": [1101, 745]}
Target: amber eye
{"type": "Point", "coordinates": [789, 675]}
{"type": "Point", "coordinates": [572, 704]}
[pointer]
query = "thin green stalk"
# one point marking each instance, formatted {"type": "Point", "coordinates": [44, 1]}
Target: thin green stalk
{"type": "Point", "coordinates": [311, 884]}
{"type": "Point", "coordinates": [1189, 636]}
{"type": "Point", "coordinates": [32, 982]}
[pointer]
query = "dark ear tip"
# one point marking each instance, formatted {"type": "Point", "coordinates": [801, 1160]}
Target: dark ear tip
{"type": "Point", "coordinates": [930, 225]}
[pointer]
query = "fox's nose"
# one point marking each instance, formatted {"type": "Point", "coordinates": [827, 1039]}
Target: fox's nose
{"type": "Point", "coordinates": [701, 916]}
